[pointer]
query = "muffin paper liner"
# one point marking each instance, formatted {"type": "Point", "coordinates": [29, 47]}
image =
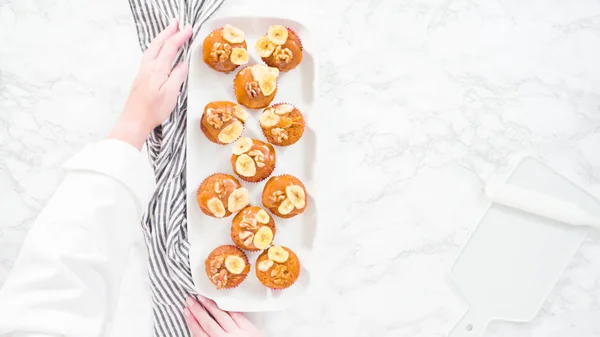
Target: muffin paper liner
{"type": "Point", "coordinates": [298, 36]}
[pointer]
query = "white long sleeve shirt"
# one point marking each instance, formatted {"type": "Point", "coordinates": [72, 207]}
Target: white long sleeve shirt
{"type": "Point", "coordinates": [82, 270]}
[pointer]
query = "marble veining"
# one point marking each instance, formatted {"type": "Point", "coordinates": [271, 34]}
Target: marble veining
{"type": "Point", "coordinates": [421, 102]}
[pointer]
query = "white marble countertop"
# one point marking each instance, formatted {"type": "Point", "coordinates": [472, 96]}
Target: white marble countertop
{"type": "Point", "coordinates": [423, 101]}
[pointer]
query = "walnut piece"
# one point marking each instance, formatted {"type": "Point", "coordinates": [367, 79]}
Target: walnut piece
{"type": "Point", "coordinates": [279, 134]}
{"type": "Point", "coordinates": [245, 234]}
{"type": "Point", "coordinates": [258, 157]}
{"type": "Point", "coordinates": [220, 190]}
{"type": "Point", "coordinates": [280, 274]}
{"type": "Point", "coordinates": [226, 115]}
{"type": "Point", "coordinates": [220, 52]}
{"type": "Point", "coordinates": [249, 240]}
{"type": "Point", "coordinates": [216, 263]}
{"type": "Point", "coordinates": [220, 279]}
{"type": "Point", "coordinates": [282, 55]}
{"type": "Point", "coordinates": [214, 120]}
{"type": "Point", "coordinates": [248, 223]}
{"type": "Point", "coordinates": [277, 196]}
{"type": "Point", "coordinates": [252, 89]}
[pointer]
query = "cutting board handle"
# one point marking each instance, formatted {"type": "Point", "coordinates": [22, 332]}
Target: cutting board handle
{"type": "Point", "coordinates": [472, 324]}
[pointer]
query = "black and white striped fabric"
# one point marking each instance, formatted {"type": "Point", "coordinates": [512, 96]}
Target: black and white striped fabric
{"type": "Point", "coordinates": [165, 223]}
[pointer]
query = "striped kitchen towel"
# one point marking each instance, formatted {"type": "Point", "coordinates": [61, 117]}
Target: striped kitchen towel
{"type": "Point", "coordinates": [165, 223]}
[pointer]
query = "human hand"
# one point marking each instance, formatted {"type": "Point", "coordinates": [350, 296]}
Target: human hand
{"type": "Point", "coordinates": [198, 318]}
{"type": "Point", "coordinates": [154, 92]}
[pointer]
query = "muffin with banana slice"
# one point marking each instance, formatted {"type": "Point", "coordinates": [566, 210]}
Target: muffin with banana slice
{"type": "Point", "coordinates": [280, 48]}
{"type": "Point", "coordinates": [253, 229]}
{"type": "Point", "coordinates": [282, 124]}
{"type": "Point", "coordinates": [223, 121]}
{"type": "Point", "coordinates": [227, 267]}
{"type": "Point", "coordinates": [225, 49]}
{"type": "Point", "coordinates": [221, 195]}
{"type": "Point", "coordinates": [253, 160]}
{"type": "Point", "coordinates": [255, 86]}
{"type": "Point", "coordinates": [285, 196]}
{"type": "Point", "coordinates": [278, 267]}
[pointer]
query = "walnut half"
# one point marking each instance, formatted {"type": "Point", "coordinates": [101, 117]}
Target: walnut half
{"type": "Point", "coordinates": [226, 115]}
{"type": "Point", "coordinates": [220, 52]}
{"type": "Point", "coordinates": [220, 279]}
{"type": "Point", "coordinates": [277, 196]}
{"type": "Point", "coordinates": [258, 157]}
{"type": "Point", "coordinates": [220, 189]}
{"type": "Point", "coordinates": [217, 117]}
{"type": "Point", "coordinates": [252, 89]}
{"type": "Point", "coordinates": [216, 263]}
{"type": "Point", "coordinates": [280, 274]}
{"type": "Point", "coordinates": [282, 55]}
{"type": "Point", "coordinates": [214, 119]}
{"type": "Point", "coordinates": [248, 223]}
{"type": "Point", "coordinates": [279, 134]}
{"type": "Point", "coordinates": [247, 236]}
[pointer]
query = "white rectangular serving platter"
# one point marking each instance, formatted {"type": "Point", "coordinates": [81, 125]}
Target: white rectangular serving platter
{"type": "Point", "coordinates": [205, 158]}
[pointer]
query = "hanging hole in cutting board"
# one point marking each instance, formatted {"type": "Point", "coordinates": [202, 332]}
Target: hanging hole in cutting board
{"type": "Point", "coordinates": [469, 327]}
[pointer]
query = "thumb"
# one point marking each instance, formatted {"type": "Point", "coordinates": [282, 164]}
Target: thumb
{"type": "Point", "coordinates": [175, 80]}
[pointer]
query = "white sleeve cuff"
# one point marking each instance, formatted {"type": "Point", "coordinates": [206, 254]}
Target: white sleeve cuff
{"type": "Point", "coordinates": [120, 161]}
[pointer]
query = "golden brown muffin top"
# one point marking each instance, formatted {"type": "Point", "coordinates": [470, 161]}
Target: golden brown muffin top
{"type": "Point", "coordinates": [255, 86]}
{"type": "Point", "coordinates": [278, 267]}
{"type": "Point", "coordinates": [251, 158]}
{"type": "Point", "coordinates": [223, 121]}
{"type": "Point", "coordinates": [282, 124]}
{"type": "Point", "coordinates": [280, 48]}
{"type": "Point", "coordinates": [285, 195]}
{"type": "Point", "coordinates": [253, 229]}
{"type": "Point", "coordinates": [224, 49]}
{"type": "Point", "coordinates": [227, 266]}
{"type": "Point", "coordinates": [221, 194]}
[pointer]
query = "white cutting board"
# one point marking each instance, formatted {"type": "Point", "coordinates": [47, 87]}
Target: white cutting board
{"type": "Point", "coordinates": [513, 259]}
